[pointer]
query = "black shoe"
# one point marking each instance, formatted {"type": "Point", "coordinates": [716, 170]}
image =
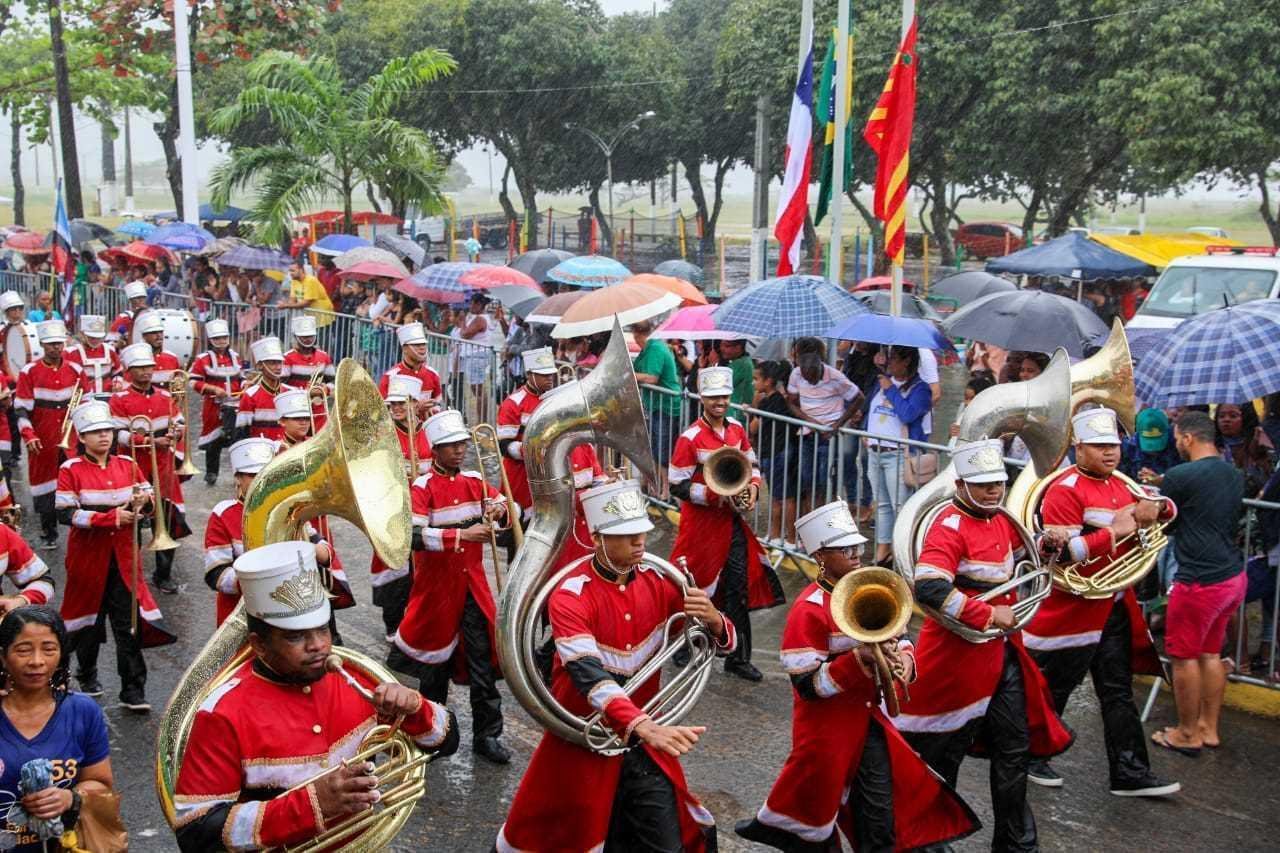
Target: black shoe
{"type": "Point", "coordinates": [492, 750]}
{"type": "Point", "coordinates": [1148, 786]}
{"type": "Point", "coordinates": [167, 585]}
{"type": "Point", "coordinates": [754, 830]}
{"type": "Point", "coordinates": [210, 480]}
{"type": "Point", "coordinates": [48, 543]}
{"type": "Point", "coordinates": [744, 669]}
{"type": "Point", "coordinates": [135, 701]}
{"type": "Point", "coordinates": [1039, 772]}
{"type": "Point", "coordinates": [90, 686]}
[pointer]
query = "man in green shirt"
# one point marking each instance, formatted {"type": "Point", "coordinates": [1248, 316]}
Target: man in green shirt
{"type": "Point", "coordinates": [655, 365]}
{"type": "Point", "coordinates": [734, 355]}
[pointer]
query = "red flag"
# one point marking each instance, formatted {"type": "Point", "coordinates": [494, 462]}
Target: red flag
{"type": "Point", "coordinates": [888, 132]}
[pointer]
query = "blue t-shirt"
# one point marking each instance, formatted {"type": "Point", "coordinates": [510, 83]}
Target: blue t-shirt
{"type": "Point", "coordinates": [74, 737]}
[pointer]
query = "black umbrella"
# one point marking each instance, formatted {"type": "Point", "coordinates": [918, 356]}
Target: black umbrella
{"type": "Point", "coordinates": [1028, 320]}
{"type": "Point", "coordinates": [539, 262]}
{"type": "Point", "coordinates": [680, 269]}
{"type": "Point", "coordinates": [964, 287]}
{"type": "Point", "coordinates": [84, 232]}
{"type": "Point", "coordinates": [912, 305]}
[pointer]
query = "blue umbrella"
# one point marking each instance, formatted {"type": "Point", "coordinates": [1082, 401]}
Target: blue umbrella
{"type": "Point", "coordinates": [1226, 356]}
{"type": "Point", "coordinates": [137, 228]}
{"type": "Point", "coordinates": [255, 258]}
{"type": "Point", "coordinates": [588, 271]}
{"type": "Point", "coordinates": [336, 244]}
{"type": "Point", "coordinates": [894, 331]}
{"type": "Point", "coordinates": [181, 237]}
{"type": "Point", "coordinates": [787, 307]}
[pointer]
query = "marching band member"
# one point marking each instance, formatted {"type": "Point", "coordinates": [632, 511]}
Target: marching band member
{"type": "Point", "coordinates": [14, 311]}
{"type": "Point", "coordinates": [848, 767]}
{"type": "Point", "coordinates": [100, 496]}
{"type": "Point", "coordinates": [216, 376]}
{"type": "Point", "coordinates": [413, 362]}
{"type": "Point", "coordinates": [447, 630]}
{"type": "Point", "coordinates": [990, 691]}
{"type": "Point", "coordinates": [304, 360]}
{"type": "Point", "coordinates": [151, 329]}
{"type": "Point", "coordinates": [285, 717]}
{"type": "Point", "coordinates": [224, 533]}
{"type": "Point", "coordinates": [99, 360]}
{"type": "Point", "coordinates": [44, 391]}
{"type": "Point", "coordinates": [14, 308]}
{"type": "Point", "coordinates": [143, 398]}
{"type": "Point", "coordinates": [122, 325]}
{"type": "Point", "coordinates": [27, 571]}
{"type": "Point", "coordinates": [257, 416]}
{"type": "Point", "coordinates": [724, 554]}
{"type": "Point", "coordinates": [607, 617]}
{"type": "Point", "coordinates": [1071, 635]}
{"type": "Point", "coordinates": [391, 585]}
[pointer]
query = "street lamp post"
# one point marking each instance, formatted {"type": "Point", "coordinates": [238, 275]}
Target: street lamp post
{"type": "Point", "coordinates": [609, 147]}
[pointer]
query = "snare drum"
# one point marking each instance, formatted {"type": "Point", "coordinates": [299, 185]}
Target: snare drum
{"type": "Point", "coordinates": [181, 333]}
{"type": "Point", "coordinates": [21, 345]}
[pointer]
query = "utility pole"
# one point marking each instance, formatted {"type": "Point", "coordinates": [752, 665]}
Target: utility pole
{"type": "Point", "coordinates": [66, 119]}
{"type": "Point", "coordinates": [128, 162]}
{"type": "Point", "coordinates": [186, 115]}
{"type": "Point", "coordinates": [760, 205]}
{"type": "Point", "coordinates": [107, 194]}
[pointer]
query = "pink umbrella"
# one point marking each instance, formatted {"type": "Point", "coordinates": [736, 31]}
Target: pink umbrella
{"type": "Point", "coordinates": [485, 276]}
{"type": "Point", "coordinates": [372, 269]}
{"type": "Point", "coordinates": [695, 323]}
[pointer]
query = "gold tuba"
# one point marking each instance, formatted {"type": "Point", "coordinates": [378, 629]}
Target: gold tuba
{"type": "Point", "coordinates": [604, 406]}
{"type": "Point", "coordinates": [1038, 411]}
{"type": "Point", "coordinates": [873, 606]}
{"type": "Point", "coordinates": [352, 469]}
{"type": "Point", "coordinates": [727, 472]}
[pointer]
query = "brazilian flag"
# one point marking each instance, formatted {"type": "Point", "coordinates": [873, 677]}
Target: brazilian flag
{"type": "Point", "coordinates": [825, 107]}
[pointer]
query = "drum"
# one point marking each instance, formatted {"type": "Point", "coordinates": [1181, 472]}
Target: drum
{"type": "Point", "coordinates": [181, 332]}
{"type": "Point", "coordinates": [21, 345]}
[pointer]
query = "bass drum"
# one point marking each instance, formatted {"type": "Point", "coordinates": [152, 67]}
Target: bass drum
{"type": "Point", "coordinates": [21, 345]}
{"type": "Point", "coordinates": [181, 332]}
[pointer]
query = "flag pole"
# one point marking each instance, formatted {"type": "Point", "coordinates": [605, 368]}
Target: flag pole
{"type": "Point", "coordinates": [895, 287]}
{"type": "Point", "coordinates": [835, 254]}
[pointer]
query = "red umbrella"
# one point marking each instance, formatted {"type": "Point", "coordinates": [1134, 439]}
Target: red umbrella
{"type": "Point", "coordinates": [372, 269]}
{"type": "Point", "coordinates": [412, 289]}
{"type": "Point", "coordinates": [490, 275]}
{"type": "Point", "coordinates": [145, 252]}
{"type": "Point", "coordinates": [27, 243]}
{"type": "Point", "coordinates": [881, 282]}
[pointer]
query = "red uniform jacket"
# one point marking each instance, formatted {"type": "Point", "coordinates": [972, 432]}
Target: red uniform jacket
{"type": "Point", "coordinates": [254, 738]}
{"type": "Point", "coordinates": [210, 370]}
{"type": "Point", "coordinates": [566, 797]}
{"type": "Point", "coordinates": [6, 436]}
{"type": "Point", "coordinates": [381, 573]}
{"type": "Point", "coordinates": [258, 412]}
{"type": "Point", "coordinates": [828, 728]}
{"type": "Point", "coordinates": [431, 387]}
{"type": "Point", "coordinates": [156, 404]}
{"type": "Point", "coordinates": [166, 365]}
{"type": "Point", "coordinates": [706, 525]}
{"type": "Point", "coordinates": [100, 365]}
{"type": "Point", "coordinates": [1085, 506]}
{"type": "Point", "coordinates": [957, 678]}
{"type": "Point", "coordinates": [121, 327]}
{"type": "Point", "coordinates": [41, 400]}
{"type": "Point", "coordinates": [91, 493]}
{"type": "Point", "coordinates": [298, 370]}
{"type": "Point", "coordinates": [447, 569]}
{"type": "Point", "coordinates": [21, 565]}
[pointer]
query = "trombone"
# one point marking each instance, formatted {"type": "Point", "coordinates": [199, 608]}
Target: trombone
{"type": "Point", "coordinates": [485, 439]}
{"type": "Point", "coordinates": [160, 538]}
{"type": "Point", "coordinates": [67, 424]}
{"type": "Point", "coordinates": [178, 388]}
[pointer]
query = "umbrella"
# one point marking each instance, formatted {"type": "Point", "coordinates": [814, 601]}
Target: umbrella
{"type": "Point", "coordinates": [689, 295]}
{"type": "Point", "coordinates": [965, 287]}
{"type": "Point", "coordinates": [27, 243]}
{"type": "Point", "coordinates": [511, 295]}
{"type": "Point", "coordinates": [402, 247]}
{"type": "Point", "coordinates": [181, 237]}
{"type": "Point", "coordinates": [588, 271]}
{"type": "Point", "coordinates": [895, 331]}
{"type": "Point", "coordinates": [694, 323]}
{"type": "Point", "coordinates": [911, 305]}
{"type": "Point", "coordinates": [550, 309]}
{"type": "Point", "coordinates": [881, 282]}
{"type": "Point", "coordinates": [1225, 356]}
{"type": "Point", "coordinates": [255, 258]}
{"type": "Point", "coordinates": [1072, 256]}
{"type": "Point", "coordinates": [84, 232]}
{"type": "Point", "coordinates": [678, 268]}
{"type": "Point", "coordinates": [1029, 320]}
{"type": "Point", "coordinates": [787, 307]}
{"type": "Point", "coordinates": [208, 213]}
{"type": "Point", "coordinates": [414, 290]}
{"type": "Point", "coordinates": [368, 253]}
{"type": "Point", "coordinates": [485, 276]}
{"type": "Point", "coordinates": [140, 251]}
{"type": "Point", "coordinates": [136, 228]}
{"type": "Point", "coordinates": [539, 262]}
{"type": "Point", "coordinates": [1143, 341]}
{"type": "Point", "coordinates": [446, 277]}
{"type": "Point", "coordinates": [335, 244]}
{"type": "Point", "coordinates": [624, 304]}
{"type": "Point", "coordinates": [372, 269]}
{"type": "Point", "coordinates": [220, 246]}
{"type": "Point", "coordinates": [525, 308]}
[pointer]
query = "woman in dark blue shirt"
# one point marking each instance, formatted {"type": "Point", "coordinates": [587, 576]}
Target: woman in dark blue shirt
{"type": "Point", "coordinates": [40, 719]}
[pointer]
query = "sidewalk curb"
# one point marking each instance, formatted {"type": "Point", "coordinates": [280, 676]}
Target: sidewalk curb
{"type": "Point", "coordinates": [1250, 698]}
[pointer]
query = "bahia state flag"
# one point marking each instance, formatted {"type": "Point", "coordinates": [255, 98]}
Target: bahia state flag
{"type": "Point", "coordinates": [64, 261]}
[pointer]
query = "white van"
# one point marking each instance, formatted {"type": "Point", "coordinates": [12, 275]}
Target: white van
{"type": "Point", "coordinates": [1195, 284]}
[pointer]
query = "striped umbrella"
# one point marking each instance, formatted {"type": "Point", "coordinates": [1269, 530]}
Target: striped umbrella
{"type": "Point", "coordinates": [446, 277]}
{"type": "Point", "coordinates": [788, 307]}
{"type": "Point", "coordinates": [255, 258]}
{"type": "Point", "coordinates": [588, 271]}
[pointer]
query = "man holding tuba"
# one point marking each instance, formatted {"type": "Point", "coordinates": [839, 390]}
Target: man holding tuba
{"type": "Point", "coordinates": [1071, 635]}
{"type": "Point", "coordinates": [253, 774]}
{"type": "Point", "coordinates": [723, 553]}
{"type": "Point", "coordinates": [970, 691]}
{"type": "Point", "coordinates": [607, 616]}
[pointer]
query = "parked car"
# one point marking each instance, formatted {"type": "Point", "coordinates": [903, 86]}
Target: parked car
{"type": "Point", "coordinates": [1209, 231]}
{"type": "Point", "coordinates": [984, 240]}
{"type": "Point", "coordinates": [1195, 284]}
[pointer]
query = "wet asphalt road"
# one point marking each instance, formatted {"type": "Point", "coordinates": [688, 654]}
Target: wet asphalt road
{"type": "Point", "coordinates": [1230, 798]}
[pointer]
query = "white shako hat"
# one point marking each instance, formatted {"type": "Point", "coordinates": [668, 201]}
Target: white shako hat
{"type": "Point", "coordinates": [93, 415]}
{"type": "Point", "coordinates": [446, 427]}
{"type": "Point", "coordinates": [93, 325]}
{"type": "Point", "coordinates": [616, 509]}
{"type": "Point", "coordinates": [135, 290]}
{"type": "Point", "coordinates": [217, 329]}
{"type": "Point", "coordinates": [293, 403]}
{"type": "Point", "coordinates": [282, 586]}
{"type": "Point", "coordinates": [51, 332]}
{"type": "Point", "coordinates": [715, 382]}
{"type": "Point", "coordinates": [829, 526]}
{"type": "Point", "coordinates": [1095, 426]}
{"type": "Point", "coordinates": [411, 333]}
{"type": "Point", "coordinates": [11, 299]}
{"type": "Point", "coordinates": [402, 388]}
{"type": "Point", "coordinates": [251, 455]}
{"type": "Point", "coordinates": [540, 360]}
{"type": "Point", "coordinates": [267, 349]}
{"type": "Point", "coordinates": [980, 461]}
{"type": "Point", "coordinates": [138, 355]}
{"type": "Point", "coordinates": [303, 326]}
{"type": "Point", "coordinates": [148, 323]}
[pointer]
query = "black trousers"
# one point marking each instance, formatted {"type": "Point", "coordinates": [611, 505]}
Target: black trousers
{"type": "Point", "coordinates": [116, 605]}
{"type": "Point", "coordinates": [1008, 744]}
{"type": "Point", "coordinates": [733, 579]}
{"type": "Point", "coordinates": [393, 598]}
{"type": "Point", "coordinates": [644, 817]}
{"type": "Point", "coordinates": [44, 507]}
{"type": "Point", "coordinates": [1109, 662]}
{"type": "Point", "coordinates": [871, 798]}
{"type": "Point", "coordinates": [486, 702]}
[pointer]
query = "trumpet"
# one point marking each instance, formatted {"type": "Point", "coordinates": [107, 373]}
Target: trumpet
{"type": "Point", "coordinates": [873, 606]}
{"type": "Point", "coordinates": [160, 538]}
{"type": "Point", "coordinates": [485, 439]}
{"type": "Point", "coordinates": [317, 381]}
{"type": "Point", "coordinates": [76, 395]}
{"type": "Point", "coordinates": [178, 388]}
{"type": "Point", "coordinates": [251, 377]}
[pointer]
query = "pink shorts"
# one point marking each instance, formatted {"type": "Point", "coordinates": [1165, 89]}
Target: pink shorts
{"type": "Point", "coordinates": [1196, 621]}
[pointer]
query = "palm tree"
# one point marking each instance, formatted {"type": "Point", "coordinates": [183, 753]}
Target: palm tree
{"type": "Point", "coordinates": [331, 141]}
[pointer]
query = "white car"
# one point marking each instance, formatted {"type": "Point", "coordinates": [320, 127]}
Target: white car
{"type": "Point", "coordinates": [1195, 284]}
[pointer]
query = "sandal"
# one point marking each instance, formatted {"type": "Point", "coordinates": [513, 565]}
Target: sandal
{"type": "Point", "coordinates": [1160, 737]}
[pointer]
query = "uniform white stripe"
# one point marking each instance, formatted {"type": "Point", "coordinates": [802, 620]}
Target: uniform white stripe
{"type": "Point", "coordinates": [947, 721]}
{"type": "Point", "coordinates": [1067, 641]}
{"type": "Point", "coordinates": [426, 655]}
{"type": "Point", "coordinates": [800, 662]}
{"type": "Point", "coordinates": [241, 822]}
{"type": "Point", "coordinates": [824, 685]}
{"type": "Point", "coordinates": [805, 831]}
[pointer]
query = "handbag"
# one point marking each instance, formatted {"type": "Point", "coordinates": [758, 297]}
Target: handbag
{"type": "Point", "coordinates": [921, 468]}
{"type": "Point", "coordinates": [100, 829]}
